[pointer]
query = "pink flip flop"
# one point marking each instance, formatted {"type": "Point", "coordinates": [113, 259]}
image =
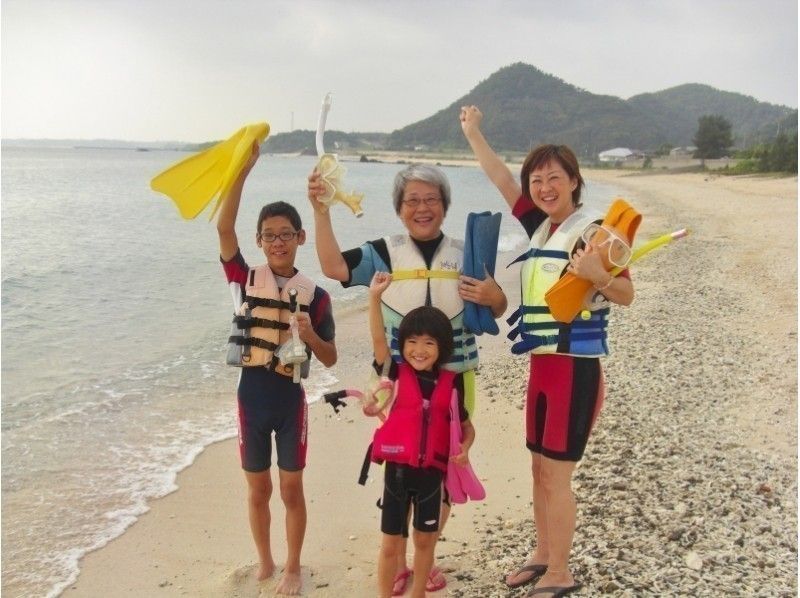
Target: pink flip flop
{"type": "Point", "coordinates": [400, 582]}
{"type": "Point", "coordinates": [436, 580]}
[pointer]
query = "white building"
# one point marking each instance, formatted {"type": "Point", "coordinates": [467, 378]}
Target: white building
{"type": "Point", "coordinates": [682, 152]}
{"type": "Point", "coordinates": [618, 154]}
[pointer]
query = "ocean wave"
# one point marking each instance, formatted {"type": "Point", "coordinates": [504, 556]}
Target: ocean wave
{"type": "Point", "coordinates": [147, 482]}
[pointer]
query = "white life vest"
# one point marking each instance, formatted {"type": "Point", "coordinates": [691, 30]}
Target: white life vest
{"type": "Point", "coordinates": [261, 324]}
{"type": "Point", "coordinates": [411, 282]}
{"type": "Point", "coordinates": [544, 264]}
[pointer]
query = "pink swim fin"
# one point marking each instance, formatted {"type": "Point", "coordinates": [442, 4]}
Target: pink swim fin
{"type": "Point", "coordinates": [461, 482]}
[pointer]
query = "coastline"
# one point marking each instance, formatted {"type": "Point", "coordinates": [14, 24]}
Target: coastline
{"type": "Point", "coordinates": [726, 290]}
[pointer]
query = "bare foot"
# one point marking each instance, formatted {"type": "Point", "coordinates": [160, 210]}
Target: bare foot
{"type": "Point", "coordinates": [290, 584]}
{"type": "Point", "coordinates": [265, 571]}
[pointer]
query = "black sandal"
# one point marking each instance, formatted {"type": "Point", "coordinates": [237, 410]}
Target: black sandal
{"type": "Point", "coordinates": [537, 570]}
{"type": "Point", "coordinates": [554, 591]}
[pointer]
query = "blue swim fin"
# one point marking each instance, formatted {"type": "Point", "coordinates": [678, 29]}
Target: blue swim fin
{"type": "Point", "coordinates": [472, 320]}
{"type": "Point", "coordinates": [488, 233]}
{"type": "Point", "coordinates": [480, 257]}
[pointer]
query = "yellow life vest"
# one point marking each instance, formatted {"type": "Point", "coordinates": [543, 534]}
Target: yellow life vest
{"type": "Point", "coordinates": [544, 264]}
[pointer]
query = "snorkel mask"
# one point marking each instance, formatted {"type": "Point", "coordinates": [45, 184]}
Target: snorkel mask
{"type": "Point", "coordinates": [614, 249]}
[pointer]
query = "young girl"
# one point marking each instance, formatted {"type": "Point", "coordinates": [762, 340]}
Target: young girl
{"type": "Point", "coordinates": [414, 441]}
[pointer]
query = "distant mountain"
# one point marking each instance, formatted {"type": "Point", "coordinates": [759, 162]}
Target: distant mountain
{"type": "Point", "coordinates": [523, 107]}
{"type": "Point", "coordinates": [675, 112]}
{"type": "Point", "coordinates": [104, 144]}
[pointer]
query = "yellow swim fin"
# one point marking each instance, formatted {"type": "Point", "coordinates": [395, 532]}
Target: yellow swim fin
{"type": "Point", "coordinates": [566, 297]}
{"type": "Point", "coordinates": [193, 182]}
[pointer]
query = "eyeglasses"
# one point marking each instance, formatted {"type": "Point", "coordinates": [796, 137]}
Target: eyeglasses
{"type": "Point", "coordinates": [413, 202]}
{"type": "Point", "coordinates": [619, 252]}
{"type": "Point", "coordinates": [284, 236]}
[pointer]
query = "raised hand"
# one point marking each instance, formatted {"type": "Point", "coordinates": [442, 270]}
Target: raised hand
{"type": "Point", "coordinates": [471, 119]}
{"type": "Point", "coordinates": [379, 283]}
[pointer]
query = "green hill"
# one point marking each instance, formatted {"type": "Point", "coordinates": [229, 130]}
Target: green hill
{"type": "Point", "coordinates": [524, 107]}
{"type": "Point", "coordinates": [675, 112]}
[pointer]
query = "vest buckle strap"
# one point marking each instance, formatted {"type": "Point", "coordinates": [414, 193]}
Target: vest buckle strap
{"type": "Point", "coordinates": [465, 357]}
{"type": "Point", "coordinates": [514, 316]}
{"type": "Point", "coordinates": [529, 326]}
{"type": "Point", "coordinates": [252, 341]}
{"type": "Point", "coordinates": [285, 370]}
{"type": "Point", "coordinates": [273, 303]}
{"type": "Point", "coordinates": [533, 341]}
{"type": "Point", "coordinates": [600, 323]}
{"type": "Point", "coordinates": [244, 322]}
{"type": "Point", "coordinates": [534, 309]}
{"type": "Point", "coordinates": [587, 336]}
{"type": "Point", "coordinates": [551, 253]}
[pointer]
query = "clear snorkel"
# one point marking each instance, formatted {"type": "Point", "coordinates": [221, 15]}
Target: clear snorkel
{"type": "Point", "coordinates": [293, 352]}
{"type": "Point", "coordinates": [331, 172]}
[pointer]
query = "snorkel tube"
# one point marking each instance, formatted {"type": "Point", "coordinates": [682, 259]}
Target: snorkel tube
{"type": "Point", "coordinates": [596, 300]}
{"type": "Point", "coordinates": [331, 172]}
{"type": "Point", "coordinates": [375, 401]}
{"type": "Point", "coordinates": [650, 245]}
{"type": "Point", "coordinates": [323, 116]}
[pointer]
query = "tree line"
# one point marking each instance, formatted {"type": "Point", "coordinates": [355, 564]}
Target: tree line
{"type": "Point", "coordinates": [714, 139]}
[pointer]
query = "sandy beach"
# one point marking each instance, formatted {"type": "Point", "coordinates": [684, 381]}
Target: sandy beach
{"type": "Point", "coordinates": [689, 482]}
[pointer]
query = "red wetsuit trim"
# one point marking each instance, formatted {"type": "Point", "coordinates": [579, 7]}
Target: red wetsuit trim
{"type": "Point", "coordinates": [565, 395]}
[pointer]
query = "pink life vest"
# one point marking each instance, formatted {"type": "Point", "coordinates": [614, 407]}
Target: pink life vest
{"type": "Point", "coordinates": [413, 434]}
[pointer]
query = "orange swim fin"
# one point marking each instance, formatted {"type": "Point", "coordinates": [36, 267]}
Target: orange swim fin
{"type": "Point", "coordinates": [566, 297]}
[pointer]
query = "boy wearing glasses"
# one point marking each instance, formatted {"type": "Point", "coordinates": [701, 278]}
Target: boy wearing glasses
{"type": "Point", "coordinates": [269, 400]}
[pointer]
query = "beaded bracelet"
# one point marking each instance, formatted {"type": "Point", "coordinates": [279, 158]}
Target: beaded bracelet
{"type": "Point", "coordinates": [605, 286]}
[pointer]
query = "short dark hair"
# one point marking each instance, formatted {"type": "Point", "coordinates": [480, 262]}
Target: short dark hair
{"type": "Point", "coordinates": [544, 154]}
{"type": "Point", "coordinates": [280, 208]}
{"type": "Point", "coordinates": [431, 321]}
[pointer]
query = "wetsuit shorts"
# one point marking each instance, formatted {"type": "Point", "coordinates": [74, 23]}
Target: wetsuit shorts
{"type": "Point", "coordinates": [403, 486]}
{"type": "Point", "coordinates": [271, 403]}
{"type": "Point", "coordinates": [565, 394]}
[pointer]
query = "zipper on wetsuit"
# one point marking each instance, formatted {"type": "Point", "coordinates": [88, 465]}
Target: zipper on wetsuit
{"type": "Point", "coordinates": [424, 436]}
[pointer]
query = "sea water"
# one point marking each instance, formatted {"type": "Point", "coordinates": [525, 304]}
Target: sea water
{"type": "Point", "coordinates": [115, 315]}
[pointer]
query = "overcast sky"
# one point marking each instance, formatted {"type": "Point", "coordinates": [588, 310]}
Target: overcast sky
{"type": "Point", "coordinates": [198, 69]}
